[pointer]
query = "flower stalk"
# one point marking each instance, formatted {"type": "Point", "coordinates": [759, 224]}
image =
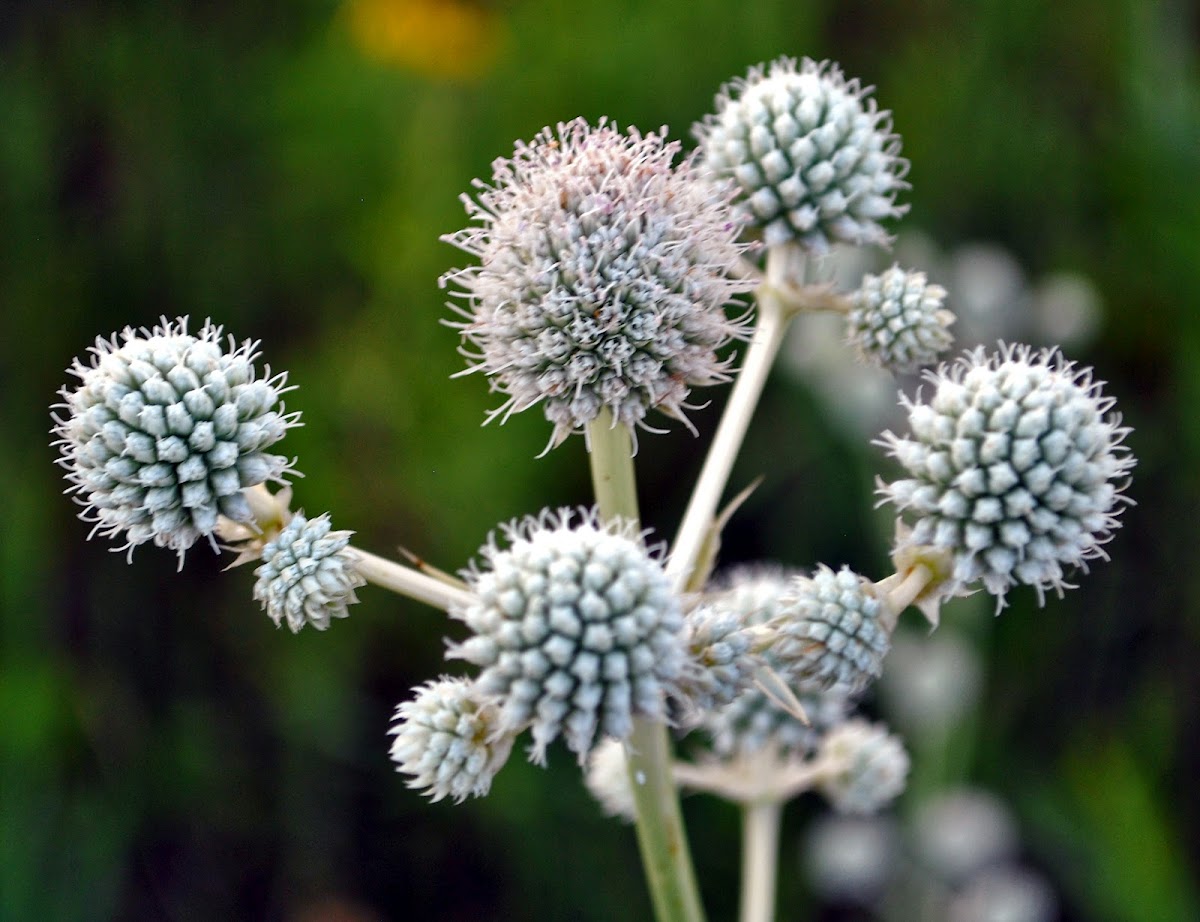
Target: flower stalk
{"type": "Point", "coordinates": [406, 581]}
{"type": "Point", "coordinates": [774, 314]}
{"type": "Point", "coordinates": [662, 840]}
{"type": "Point", "coordinates": [760, 846]}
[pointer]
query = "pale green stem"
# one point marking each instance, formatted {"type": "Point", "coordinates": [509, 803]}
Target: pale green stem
{"type": "Point", "coordinates": [904, 593]}
{"type": "Point", "coordinates": [661, 837]}
{"type": "Point", "coordinates": [407, 581]}
{"type": "Point", "coordinates": [760, 846]}
{"type": "Point", "coordinates": [773, 318]}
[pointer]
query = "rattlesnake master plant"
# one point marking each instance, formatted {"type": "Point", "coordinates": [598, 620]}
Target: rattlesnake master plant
{"type": "Point", "coordinates": [606, 264]}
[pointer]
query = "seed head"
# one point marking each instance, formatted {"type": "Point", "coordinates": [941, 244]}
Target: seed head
{"type": "Point", "coordinates": [1016, 467]}
{"type": "Point", "coordinates": [897, 320]}
{"type": "Point", "coordinates": [166, 429]}
{"type": "Point", "coordinates": [447, 738]}
{"type": "Point", "coordinates": [307, 576]}
{"type": "Point", "coordinates": [603, 273]}
{"type": "Point", "coordinates": [814, 158]}
{"type": "Point", "coordinates": [576, 630]}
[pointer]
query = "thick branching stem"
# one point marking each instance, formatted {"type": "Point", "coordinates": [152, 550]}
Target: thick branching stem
{"type": "Point", "coordinates": [661, 837]}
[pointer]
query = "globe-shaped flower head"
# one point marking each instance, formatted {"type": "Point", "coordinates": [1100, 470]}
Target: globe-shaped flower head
{"type": "Point", "coordinates": [166, 429]}
{"type": "Point", "coordinates": [833, 634]}
{"type": "Point", "coordinates": [814, 158]}
{"type": "Point", "coordinates": [603, 273]}
{"type": "Point", "coordinates": [1015, 470]}
{"type": "Point", "coordinates": [447, 740]}
{"type": "Point", "coordinates": [576, 629]}
{"type": "Point", "coordinates": [307, 575]}
{"type": "Point", "coordinates": [897, 321]}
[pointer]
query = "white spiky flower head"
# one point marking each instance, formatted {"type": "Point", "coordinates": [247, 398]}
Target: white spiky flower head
{"type": "Point", "coordinates": [603, 273]}
{"type": "Point", "coordinates": [867, 767]}
{"type": "Point", "coordinates": [449, 739]}
{"type": "Point", "coordinates": [307, 575]}
{"type": "Point", "coordinates": [1015, 470]}
{"type": "Point", "coordinates": [166, 429]}
{"type": "Point", "coordinates": [815, 159]}
{"type": "Point", "coordinates": [832, 633]}
{"type": "Point", "coordinates": [576, 629]}
{"type": "Point", "coordinates": [897, 321]}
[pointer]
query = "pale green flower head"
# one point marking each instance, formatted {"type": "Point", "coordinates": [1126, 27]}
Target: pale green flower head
{"type": "Point", "coordinates": [307, 575]}
{"type": "Point", "coordinates": [165, 431]}
{"type": "Point", "coordinates": [815, 161]}
{"type": "Point", "coordinates": [449, 740]}
{"type": "Point", "coordinates": [1016, 466]}
{"type": "Point", "coordinates": [576, 630]}
{"type": "Point", "coordinates": [897, 320]}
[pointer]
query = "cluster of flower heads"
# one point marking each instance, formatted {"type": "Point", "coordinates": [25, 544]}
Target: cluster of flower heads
{"type": "Point", "coordinates": [603, 273]}
{"type": "Point", "coordinates": [165, 431]}
{"type": "Point", "coordinates": [815, 160]}
{"type": "Point", "coordinates": [815, 642]}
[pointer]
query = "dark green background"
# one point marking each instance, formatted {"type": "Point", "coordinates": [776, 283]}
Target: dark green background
{"type": "Point", "coordinates": [165, 753]}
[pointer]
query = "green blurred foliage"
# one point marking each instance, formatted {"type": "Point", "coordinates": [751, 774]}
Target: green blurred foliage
{"type": "Point", "coordinates": [168, 755]}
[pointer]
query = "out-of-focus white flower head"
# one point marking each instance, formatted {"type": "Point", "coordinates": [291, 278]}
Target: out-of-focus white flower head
{"type": "Point", "coordinates": [931, 682]}
{"type": "Point", "coordinates": [963, 831]}
{"type": "Point", "coordinates": [607, 778]}
{"type": "Point", "coordinates": [850, 857]}
{"type": "Point", "coordinates": [1005, 894]}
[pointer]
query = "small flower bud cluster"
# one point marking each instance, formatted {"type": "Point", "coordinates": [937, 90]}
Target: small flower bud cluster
{"type": "Point", "coordinates": [1015, 468]}
{"type": "Point", "coordinates": [166, 429]}
{"type": "Point", "coordinates": [576, 630]}
{"type": "Point", "coordinates": [449, 739]}
{"type": "Point", "coordinates": [603, 271]}
{"type": "Point", "coordinates": [897, 320]}
{"type": "Point", "coordinates": [870, 767]}
{"type": "Point", "coordinates": [815, 160]}
{"type": "Point", "coordinates": [721, 661]}
{"type": "Point", "coordinates": [307, 577]}
{"type": "Point", "coordinates": [832, 635]}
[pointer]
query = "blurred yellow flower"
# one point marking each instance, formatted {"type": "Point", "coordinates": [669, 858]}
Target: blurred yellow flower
{"type": "Point", "coordinates": [437, 38]}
